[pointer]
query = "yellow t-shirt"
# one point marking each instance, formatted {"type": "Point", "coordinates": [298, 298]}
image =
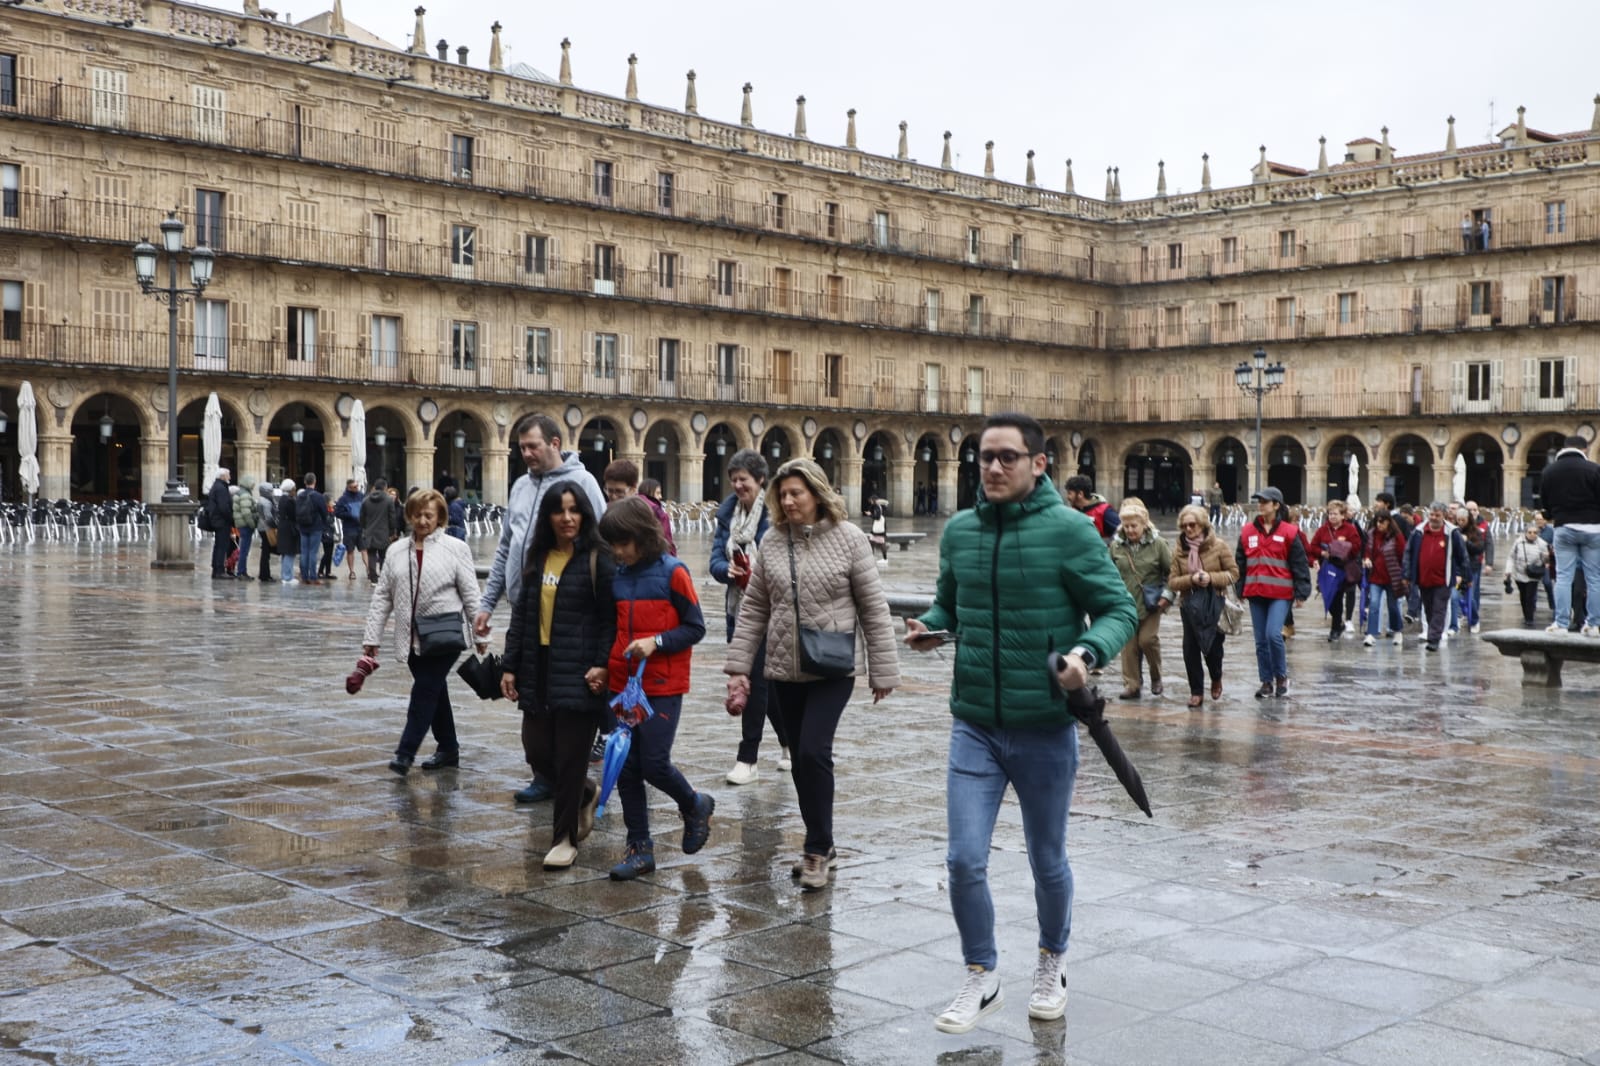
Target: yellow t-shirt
{"type": "Point", "coordinates": [554, 563]}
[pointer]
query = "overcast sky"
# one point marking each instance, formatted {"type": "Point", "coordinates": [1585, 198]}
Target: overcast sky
{"type": "Point", "coordinates": [1104, 83]}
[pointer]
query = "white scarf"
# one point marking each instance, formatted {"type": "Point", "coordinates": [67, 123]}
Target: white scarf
{"type": "Point", "coordinates": [743, 525]}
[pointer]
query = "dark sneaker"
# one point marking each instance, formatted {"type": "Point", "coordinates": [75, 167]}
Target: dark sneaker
{"type": "Point", "coordinates": [639, 859]}
{"type": "Point", "coordinates": [597, 750]}
{"type": "Point", "coordinates": [1282, 687]}
{"type": "Point", "coordinates": [697, 823]}
{"type": "Point", "coordinates": [1264, 691]}
{"type": "Point", "coordinates": [538, 791]}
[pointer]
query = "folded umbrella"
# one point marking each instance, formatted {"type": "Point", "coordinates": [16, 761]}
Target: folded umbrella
{"type": "Point", "coordinates": [1089, 707]}
{"type": "Point", "coordinates": [1329, 578]}
{"type": "Point", "coordinates": [482, 674]}
{"type": "Point", "coordinates": [631, 706]}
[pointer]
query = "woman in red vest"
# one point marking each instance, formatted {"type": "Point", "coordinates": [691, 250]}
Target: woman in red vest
{"type": "Point", "coordinates": [1272, 560]}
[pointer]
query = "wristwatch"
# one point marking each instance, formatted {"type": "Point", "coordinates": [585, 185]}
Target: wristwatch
{"type": "Point", "coordinates": [658, 641]}
{"type": "Point", "coordinates": [1085, 654]}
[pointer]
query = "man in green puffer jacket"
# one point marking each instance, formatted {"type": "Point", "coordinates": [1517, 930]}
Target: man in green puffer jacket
{"type": "Point", "coordinates": [1017, 575]}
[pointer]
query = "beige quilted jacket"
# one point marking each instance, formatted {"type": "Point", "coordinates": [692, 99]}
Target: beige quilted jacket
{"type": "Point", "coordinates": [448, 581]}
{"type": "Point", "coordinates": [839, 592]}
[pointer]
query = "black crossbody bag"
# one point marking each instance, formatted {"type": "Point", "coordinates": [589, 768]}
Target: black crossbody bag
{"type": "Point", "coordinates": [437, 634]}
{"type": "Point", "coordinates": [822, 654]}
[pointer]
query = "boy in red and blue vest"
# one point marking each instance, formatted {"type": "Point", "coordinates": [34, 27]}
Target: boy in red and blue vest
{"type": "Point", "coordinates": [658, 623]}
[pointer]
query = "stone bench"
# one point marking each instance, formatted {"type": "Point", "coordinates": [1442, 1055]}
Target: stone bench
{"type": "Point", "coordinates": [1543, 653]}
{"type": "Point", "coordinates": [905, 540]}
{"type": "Point", "coordinates": [908, 604]}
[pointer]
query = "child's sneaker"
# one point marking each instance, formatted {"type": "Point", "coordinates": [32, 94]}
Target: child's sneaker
{"type": "Point", "coordinates": [697, 823]}
{"type": "Point", "coordinates": [639, 859]}
{"type": "Point", "coordinates": [979, 996]}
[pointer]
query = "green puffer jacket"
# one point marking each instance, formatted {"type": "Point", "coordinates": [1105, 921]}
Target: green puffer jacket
{"type": "Point", "coordinates": [246, 509]}
{"type": "Point", "coordinates": [1015, 581]}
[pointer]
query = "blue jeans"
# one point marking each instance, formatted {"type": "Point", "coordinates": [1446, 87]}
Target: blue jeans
{"type": "Point", "coordinates": [245, 536]}
{"type": "Point", "coordinates": [286, 565]}
{"type": "Point", "coordinates": [1041, 765]}
{"type": "Point", "coordinates": [1572, 548]}
{"type": "Point", "coordinates": [1266, 620]}
{"type": "Point", "coordinates": [310, 548]}
{"type": "Point", "coordinates": [1377, 594]}
{"type": "Point", "coordinates": [650, 760]}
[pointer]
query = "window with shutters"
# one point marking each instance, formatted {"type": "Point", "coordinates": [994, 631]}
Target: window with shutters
{"type": "Point", "coordinates": [724, 197]}
{"type": "Point", "coordinates": [535, 254]}
{"type": "Point", "coordinates": [303, 223]}
{"type": "Point", "coordinates": [211, 329]}
{"type": "Point", "coordinates": [1227, 321]}
{"type": "Point", "coordinates": [1058, 384]}
{"type": "Point", "coordinates": [833, 291]}
{"type": "Point", "coordinates": [10, 190]}
{"type": "Point", "coordinates": [463, 250]}
{"type": "Point", "coordinates": [1553, 297]}
{"type": "Point", "coordinates": [932, 301]}
{"type": "Point", "coordinates": [385, 143]}
{"type": "Point", "coordinates": [727, 368]}
{"type": "Point", "coordinates": [1480, 382]}
{"type": "Point", "coordinates": [1172, 325]}
{"type": "Point", "coordinates": [782, 369]}
{"type": "Point", "coordinates": [384, 342]}
{"type": "Point", "coordinates": [1346, 309]}
{"type": "Point", "coordinates": [1016, 251]}
{"type": "Point", "coordinates": [974, 313]}
{"type": "Point", "coordinates": [604, 366]}
{"type": "Point", "coordinates": [1288, 248]}
{"type": "Point", "coordinates": [881, 228]}
{"type": "Point", "coordinates": [300, 335]}
{"type": "Point", "coordinates": [974, 390]}
{"type": "Point", "coordinates": [782, 289]}
{"type": "Point", "coordinates": [1230, 250]}
{"type": "Point", "coordinates": [1555, 218]}
{"type": "Point", "coordinates": [603, 266]}
{"type": "Point", "coordinates": [778, 209]}
{"type": "Point", "coordinates": [932, 387]}
{"type": "Point", "coordinates": [727, 277]}
{"type": "Point", "coordinates": [209, 113]}
{"type": "Point", "coordinates": [108, 101]}
{"type": "Point", "coordinates": [10, 310]}
{"type": "Point", "coordinates": [1175, 256]}
{"type": "Point", "coordinates": [833, 375]}
{"type": "Point", "coordinates": [537, 350]}
{"type": "Point", "coordinates": [883, 383]}
{"type": "Point", "coordinates": [830, 220]}
{"type": "Point", "coordinates": [603, 172]}
{"type": "Point", "coordinates": [1481, 297]}
{"type": "Point", "coordinates": [8, 79]}
{"type": "Point", "coordinates": [666, 187]}
{"type": "Point", "coordinates": [208, 220]}
{"type": "Point", "coordinates": [111, 310]}
{"type": "Point", "coordinates": [110, 204]}
{"type": "Point", "coordinates": [378, 242]}
{"type": "Point", "coordinates": [1285, 316]}
{"type": "Point", "coordinates": [301, 128]}
{"type": "Point", "coordinates": [667, 271]}
{"type": "Point", "coordinates": [1552, 379]}
{"type": "Point", "coordinates": [667, 349]}
{"type": "Point", "coordinates": [1017, 383]}
{"type": "Point", "coordinates": [461, 152]}
{"type": "Point", "coordinates": [974, 245]}
{"type": "Point", "coordinates": [463, 346]}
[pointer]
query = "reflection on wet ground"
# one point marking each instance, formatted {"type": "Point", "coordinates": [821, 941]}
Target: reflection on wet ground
{"type": "Point", "coordinates": [203, 859]}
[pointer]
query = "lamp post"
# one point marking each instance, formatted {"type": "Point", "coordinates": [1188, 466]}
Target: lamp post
{"type": "Point", "coordinates": [173, 518]}
{"type": "Point", "coordinates": [1256, 378]}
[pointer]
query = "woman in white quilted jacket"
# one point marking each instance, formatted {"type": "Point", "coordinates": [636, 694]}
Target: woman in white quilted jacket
{"type": "Point", "coordinates": [427, 573]}
{"type": "Point", "coordinates": [814, 571]}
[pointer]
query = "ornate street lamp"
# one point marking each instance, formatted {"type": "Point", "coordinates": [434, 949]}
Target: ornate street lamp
{"type": "Point", "coordinates": [459, 437]}
{"type": "Point", "coordinates": [1256, 378]}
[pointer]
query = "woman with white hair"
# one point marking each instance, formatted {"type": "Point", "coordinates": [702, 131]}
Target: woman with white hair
{"type": "Point", "coordinates": [813, 576]}
{"type": "Point", "coordinates": [1144, 560]}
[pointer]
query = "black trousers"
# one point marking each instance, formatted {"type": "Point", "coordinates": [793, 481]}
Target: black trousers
{"type": "Point", "coordinates": [1196, 663]}
{"type": "Point", "coordinates": [1343, 605]}
{"type": "Point", "coordinates": [267, 552]}
{"type": "Point", "coordinates": [811, 711]}
{"type": "Point", "coordinates": [430, 704]}
{"type": "Point", "coordinates": [221, 545]}
{"type": "Point", "coordinates": [1529, 593]}
{"type": "Point", "coordinates": [556, 745]}
{"type": "Point", "coordinates": [757, 710]}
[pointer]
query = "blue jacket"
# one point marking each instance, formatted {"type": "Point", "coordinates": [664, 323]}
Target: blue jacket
{"type": "Point", "coordinates": [348, 512]}
{"type": "Point", "coordinates": [457, 526]}
{"type": "Point", "coordinates": [1455, 559]}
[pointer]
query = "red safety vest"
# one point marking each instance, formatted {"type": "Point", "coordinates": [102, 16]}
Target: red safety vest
{"type": "Point", "coordinates": [1266, 561]}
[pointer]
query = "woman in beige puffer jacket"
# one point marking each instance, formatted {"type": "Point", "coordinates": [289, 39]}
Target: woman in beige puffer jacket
{"type": "Point", "coordinates": [839, 591]}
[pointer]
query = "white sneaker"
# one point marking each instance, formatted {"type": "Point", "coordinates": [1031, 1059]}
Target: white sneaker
{"type": "Point", "coordinates": [743, 773]}
{"type": "Point", "coordinates": [783, 759]}
{"type": "Point", "coordinates": [1478, 628]}
{"type": "Point", "coordinates": [1369, 640]}
{"type": "Point", "coordinates": [979, 996]}
{"type": "Point", "coordinates": [1591, 631]}
{"type": "Point", "coordinates": [1049, 999]}
{"type": "Point", "coordinates": [1555, 627]}
{"type": "Point", "coordinates": [1399, 640]}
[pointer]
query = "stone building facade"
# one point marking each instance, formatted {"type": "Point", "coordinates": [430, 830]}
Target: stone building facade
{"type": "Point", "coordinates": [457, 246]}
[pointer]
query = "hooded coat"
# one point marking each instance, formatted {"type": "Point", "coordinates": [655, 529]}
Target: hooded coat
{"type": "Point", "coordinates": [246, 511]}
{"type": "Point", "coordinates": [516, 529]}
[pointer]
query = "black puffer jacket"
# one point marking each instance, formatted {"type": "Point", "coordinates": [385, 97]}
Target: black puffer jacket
{"type": "Point", "coordinates": [288, 531]}
{"type": "Point", "coordinates": [584, 628]}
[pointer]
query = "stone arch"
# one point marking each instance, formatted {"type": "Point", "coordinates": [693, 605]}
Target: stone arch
{"type": "Point", "coordinates": [1089, 462]}
{"type": "Point", "coordinates": [148, 424]}
{"type": "Point", "coordinates": [664, 443]}
{"type": "Point", "coordinates": [930, 449]}
{"type": "Point", "coordinates": [1159, 472]}
{"type": "Point", "coordinates": [1485, 468]}
{"type": "Point", "coordinates": [108, 460]}
{"type": "Point", "coordinates": [464, 464]}
{"type": "Point", "coordinates": [1230, 458]}
{"type": "Point", "coordinates": [1337, 453]}
{"type": "Point", "coordinates": [1409, 459]}
{"type": "Point", "coordinates": [1284, 468]}
{"type": "Point", "coordinates": [1541, 446]}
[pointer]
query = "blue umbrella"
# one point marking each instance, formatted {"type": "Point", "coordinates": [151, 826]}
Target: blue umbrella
{"type": "Point", "coordinates": [631, 706]}
{"type": "Point", "coordinates": [1329, 578]}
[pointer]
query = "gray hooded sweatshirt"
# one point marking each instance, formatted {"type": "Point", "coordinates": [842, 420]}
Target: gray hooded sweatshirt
{"type": "Point", "coordinates": [516, 530]}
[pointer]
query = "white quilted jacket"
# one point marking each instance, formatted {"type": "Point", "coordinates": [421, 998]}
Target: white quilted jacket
{"type": "Point", "coordinates": [840, 591]}
{"type": "Point", "coordinates": [448, 581]}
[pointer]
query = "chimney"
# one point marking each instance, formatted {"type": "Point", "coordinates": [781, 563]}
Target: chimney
{"type": "Point", "coordinates": [461, 55]}
{"type": "Point", "coordinates": [443, 48]}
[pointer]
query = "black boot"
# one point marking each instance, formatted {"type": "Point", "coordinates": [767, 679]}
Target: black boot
{"type": "Point", "coordinates": [401, 764]}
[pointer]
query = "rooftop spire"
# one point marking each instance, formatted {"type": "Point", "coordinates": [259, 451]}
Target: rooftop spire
{"type": "Point", "coordinates": [1161, 177]}
{"type": "Point", "coordinates": [1522, 124]}
{"type": "Point", "coordinates": [1205, 171]}
{"type": "Point", "coordinates": [1385, 153]}
{"type": "Point", "coordinates": [419, 36]}
{"type": "Point", "coordinates": [904, 149]}
{"type": "Point", "coordinates": [800, 118]}
{"type": "Point", "coordinates": [944, 160]}
{"type": "Point", "coordinates": [336, 19]}
{"type": "Point", "coordinates": [1261, 173]}
{"type": "Point", "coordinates": [632, 91]}
{"type": "Point", "coordinates": [1070, 190]}
{"type": "Point", "coordinates": [566, 62]}
{"type": "Point", "coordinates": [1110, 192]}
{"type": "Point", "coordinates": [1322, 155]}
{"type": "Point", "coordinates": [746, 115]}
{"type": "Point", "coordinates": [1450, 135]}
{"type": "Point", "coordinates": [850, 129]}
{"type": "Point", "coordinates": [691, 105]}
{"type": "Point", "coordinates": [1594, 123]}
{"type": "Point", "coordinates": [1116, 182]}
{"type": "Point", "coordinates": [496, 57]}
{"type": "Point", "coordinates": [1032, 178]}
{"type": "Point", "coordinates": [988, 160]}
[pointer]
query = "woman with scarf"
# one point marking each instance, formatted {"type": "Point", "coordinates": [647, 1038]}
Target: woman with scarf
{"type": "Point", "coordinates": [741, 524]}
{"type": "Point", "coordinates": [1386, 577]}
{"type": "Point", "coordinates": [1203, 570]}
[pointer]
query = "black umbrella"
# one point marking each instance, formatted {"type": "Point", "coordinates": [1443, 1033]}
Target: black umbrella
{"type": "Point", "coordinates": [482, 674]}
{"type": "Point", "coordinates": [1089, 707]}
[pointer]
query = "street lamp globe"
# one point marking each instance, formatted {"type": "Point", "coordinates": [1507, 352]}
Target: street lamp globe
{"type": "Point", "coordinates": [297, 433]}
{"type": "Point", "coordinates": [380, 436]}
{"type": "Point", "coordinates": [1242, 375]}
{"type": "Point", "coordinates": [108, 426]}
{"type": "Point", "coordinates": [1260, 358]}
{"type": "Point", "coordinates": [460, 439]}
{"type": "Point", "coordinates": [172, 234]}
{"type": "Point", "coordinates": [144, 263]}
{"type": "Point", "coordinates": [200, 263]}
{"type": "Point", "coordinates": [1276, 373]}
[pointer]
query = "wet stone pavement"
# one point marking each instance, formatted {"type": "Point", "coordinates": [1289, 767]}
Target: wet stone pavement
{"type": "Point", "coordinates": [204, 860]}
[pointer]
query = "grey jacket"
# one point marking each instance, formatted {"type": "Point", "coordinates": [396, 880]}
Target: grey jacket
{"type": "Point", "coordinates": [840, 591]}
{"type": "Point", "coordinates": [516, 529]}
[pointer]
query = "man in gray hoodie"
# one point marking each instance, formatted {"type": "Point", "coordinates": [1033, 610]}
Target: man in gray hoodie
{"type": "Point", "coordinates": [539, 442]}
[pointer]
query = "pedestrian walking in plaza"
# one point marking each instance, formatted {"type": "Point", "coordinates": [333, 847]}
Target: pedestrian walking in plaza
{"type": "Point", "coordinates": [1203, 573]}
{"type": "Point", "coordinates": [1019, 573]}
{"type": "Point", "coordinates": [814, 572]}
{"type": "Point", "coordinates": [457, 509]}
{"type": "Point", "coordinates": [219, 515]}
{"type": "Point", "coordinates": [1547, 533]}
{"type": "Point", "coordinates": [288, 531]}
{"type": "Point", "coordinates": [1477, 542]}
{"type": "Point", "coordinates": [330, 542]}
{"type": "Point", "coordinates": [538, 440]}
{"type": "Point", "coordinates": [658, 624]}
{"type": "Point", "coordinates": [1336, 549]}
{"type": "Point", "coordinates": [1271, 557]}
{"type": "Point", "coordinates": [246, 513]}
{"type": "Point", "coordinates": [1144, 559]}
{"type": "Point", "coordinates": [348, 513]}
{"type": "Point", "coordinates": [1570, 491]}
{"type": "Point", "coordinates": [266, 527]}
{"type": "Point", "coordinates": [1436, 563]}
{"type": "Point", "coordinates": [311, 517]}
{"type": "Point", "coordinates": [427, 579]}
{"type": "Point", "coordinates": [1214, 503]}
{"type": "Point", "coordinates": [378, 527]}
{"type": "Point", "coordinates": [1080, 496]}
{"type": "Point", "coordinates": [558, 646]}
{"type": "Point", "coordinates": [1526, 566]}
{"type": "Point", "coordinates": [620, 479]}
{"type": "Point", "coordinates": [1383, 561]}
{"type": "Point", "coordinates": [742, 523]}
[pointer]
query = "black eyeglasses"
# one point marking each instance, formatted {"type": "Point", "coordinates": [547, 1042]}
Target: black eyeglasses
{"type": "Point", "coordinates": [1006, 457]}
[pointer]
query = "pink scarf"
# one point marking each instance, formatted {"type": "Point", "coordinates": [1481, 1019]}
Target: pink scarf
{"type": "Point", "coordinates": [1194, 553]}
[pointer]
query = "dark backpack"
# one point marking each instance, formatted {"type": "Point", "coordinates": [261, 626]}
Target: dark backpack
{"type": "Point", "coordinates": [305, 511]}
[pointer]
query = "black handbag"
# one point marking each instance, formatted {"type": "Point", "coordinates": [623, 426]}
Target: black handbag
{"type": "Point", "coordinates": [437, 634]}
{"type": "Point", "coordinates": [823, 654]}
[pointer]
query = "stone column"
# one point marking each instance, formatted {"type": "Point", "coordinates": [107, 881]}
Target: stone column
{"type": "Point", "coordinates": [152, 467]}
{"type": "Point", "coordinates": [419, 466]}
{"type": "Point", "coordinates": [496, 475]}
{"type": "Point", "coordinates": [175, 545]}
{"type": "Point", "coordinates": [1201, 475]}
{"type": "Point", "coordinates": [902, 478]}
{"type": "Point", "coordinates": [637, 459]}
{"type": "Point", "coordinates": [948, 480]}
{"type": "Point", "coordinates": [1512, 475]}
{"type": "Point", "coordinates": [850, 483]}
{"type": "Point", "coordinates": [335, 465]}
{"type": "Point", "coordinates": [691, 471]}
{"type": "Point", "coordinates": [55, 466]}
{"type": "Point", "coordinates": [1443, 475]}
{"type": "Point", "coordinates": [251, 457]}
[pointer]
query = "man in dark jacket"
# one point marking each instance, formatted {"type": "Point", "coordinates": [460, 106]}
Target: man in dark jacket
{"type": "Point", "coordinates": [219, 513]}
{"type": "Point", "coordinates": [310, 515]}
{"type": "Point", "coordinates": [348, 512]}
{"type": "Point", "coordinates": [1570, 492]}
{"type": "Point", "coordinates": [377, 527]}
{"type": "Point", "coordinates": [1018, 574]}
